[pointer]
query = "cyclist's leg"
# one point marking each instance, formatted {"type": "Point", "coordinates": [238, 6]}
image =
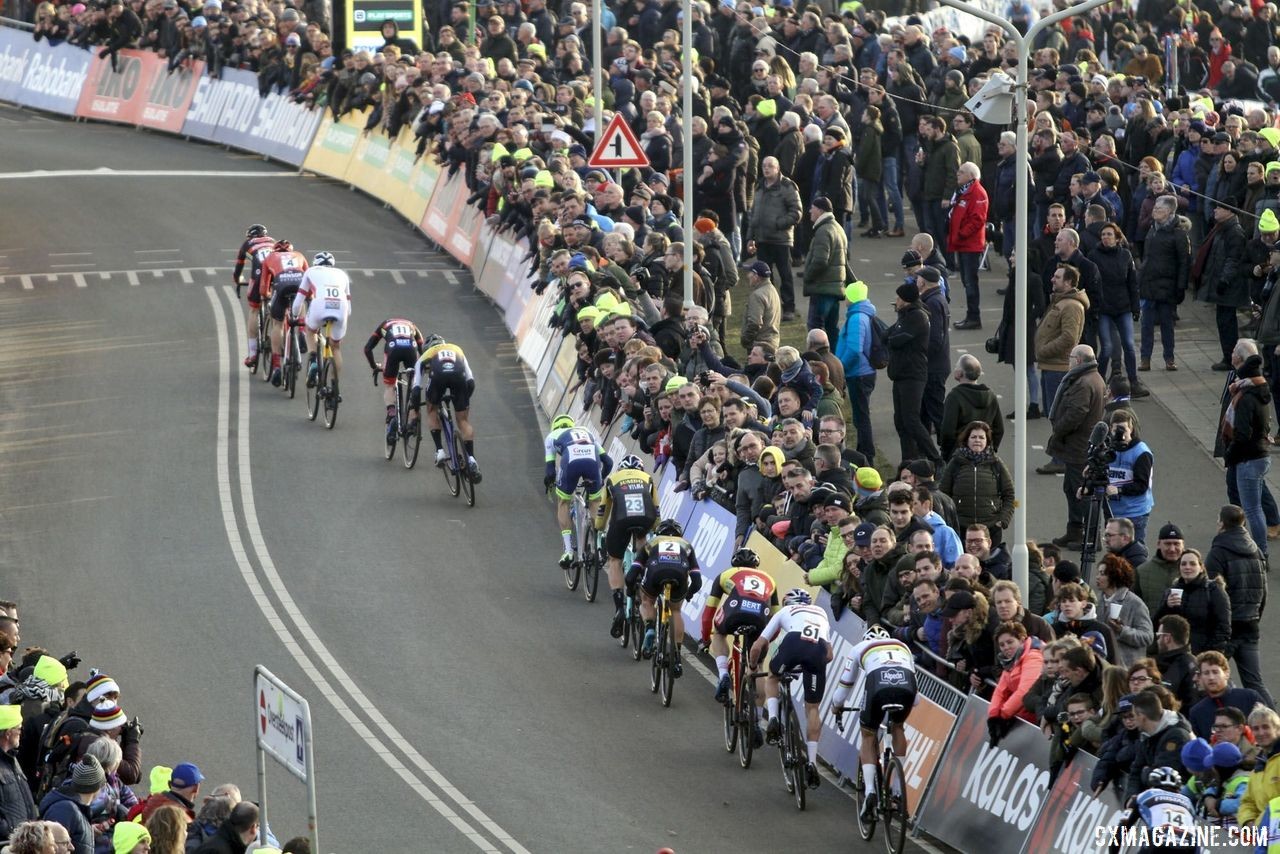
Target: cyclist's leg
{"type": "Point", "coordinates": [815, 685]}
{"type": "Point", "coordinates": [899, 740]}
{"type": "Point", "coordinates": [336, 334]}
{"type": "Point", "coordinates": [566, 483]}
{"type": "Point", "coordinates": [251, 324]}
{"type": "Point", "coordinates": [867, 758]}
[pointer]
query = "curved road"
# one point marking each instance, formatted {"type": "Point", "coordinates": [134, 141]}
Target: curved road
{"type": "Point", "coordinates": [180, 522]}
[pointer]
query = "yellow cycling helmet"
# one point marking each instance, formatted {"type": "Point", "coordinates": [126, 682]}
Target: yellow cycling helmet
{"type": "Point", "coordinates": [561, 422]}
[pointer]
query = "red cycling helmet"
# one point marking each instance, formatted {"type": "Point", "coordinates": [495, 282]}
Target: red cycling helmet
{"type": "Point", "coordinates": [282, 246]}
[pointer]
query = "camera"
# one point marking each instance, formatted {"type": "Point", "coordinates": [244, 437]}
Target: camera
{"type": "Point", "coordinates": [704, 378]}
{"type": "Point", "coordinates": [1103, 446]}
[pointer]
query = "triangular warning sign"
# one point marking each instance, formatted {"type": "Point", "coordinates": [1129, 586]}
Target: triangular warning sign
{"type": "Point", "coordinates": [618, 147]}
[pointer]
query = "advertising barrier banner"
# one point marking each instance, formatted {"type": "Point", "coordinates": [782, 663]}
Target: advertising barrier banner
{"type": "Point", "coordinates": [987, 795]}
{"type": "Point", "coordinates": [442, 213]}
{"type": "Point", "coordinates": [1071, 816]}
{"type": "Point", "coordinates": [334, 144]}
{"type": "Point", "coordinates": [422, 185]}
{"type": "Point", "coordinates": [34, 74]}
{"type": "Point", "coordinates": [230, 111]}
{"type": "Point", "coordinates": [367, 168]}
{"type": "Point", "coordinates": [140, 91]}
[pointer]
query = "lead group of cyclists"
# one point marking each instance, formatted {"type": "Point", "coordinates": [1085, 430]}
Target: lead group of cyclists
{"type": "Point", "coordinates": [321, 293]}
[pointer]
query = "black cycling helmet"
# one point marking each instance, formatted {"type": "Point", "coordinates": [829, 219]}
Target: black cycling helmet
{"type": "Point", "coordinates": [282, 246]}
{"type": "Point", "coordinates": [745, 557]}
{"type": "Point", "coordinates": [669, 528]}
{"type": "Point", "coordinates": [256, 230]}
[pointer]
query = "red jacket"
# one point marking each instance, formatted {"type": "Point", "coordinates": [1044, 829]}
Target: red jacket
{"type": "Point", "coordinates": [1006, 701]}
{"type": "Point", "coordinates": [967, 231]}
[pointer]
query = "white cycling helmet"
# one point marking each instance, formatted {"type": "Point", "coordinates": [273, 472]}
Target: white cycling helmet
{"type": "Point", "coordinates": [797, 596]}
{"type": "Point", "coordinates": [876, 632]}
{"type": "Point", "coordinates": [323, 259]}
{"type": "Point", "coordinates": [631, 461]}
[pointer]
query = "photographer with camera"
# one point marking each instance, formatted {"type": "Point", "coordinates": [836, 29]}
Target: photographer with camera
{"type": "Point", "coordinates": [1129, 494]}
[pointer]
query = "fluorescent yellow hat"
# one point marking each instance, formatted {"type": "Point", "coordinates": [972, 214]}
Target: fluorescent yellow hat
{"type": "Point", "coordinates": [543, 179]}
{"type": "Point", "coordinates": [1268, 221]}
{"type": "Point", "coordinates": [767, 108]}
{"type": "Point", "coordinates": [267, 850]}
{"type": "Point", "coordinates": [606, 302]}
{"type": "Point", "coordinates": [589, 312]}
{"type": "Point", "coordinates": [10, 717]}
{"type": "Point", "coordinates": [1273, 166]}
{"type": "Point", "coordinates": [499, 152]}
{"type": "Point", "coordinates": [1271, 135]}
{"type": "Point", "coordinates": [159, 779]}
{"type": "Point", "coordinates": [51, 671]}
{"type": "Point", "coordinates": [522, 154]}
{"type": "Point", "coordinates": [855, 291]}
{"type": "Point", "coordinates": [127, 835]}
{"type": "Point", "coordinates": [675, 383]}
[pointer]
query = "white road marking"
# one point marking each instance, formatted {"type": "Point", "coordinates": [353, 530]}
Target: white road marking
{"type": "Point", "coordinates": [272, 616]}
{"type": "Point", "coordinates": [67, 254]}
{"type": "Point", "coordinates": [155, 251]}
{"type": "Point", "coordinates": [26, 283]}
{"type": "Point", "coordinates": [451, 276]}
{"type": "Point", "coordinates": [65, 266]}
{"type": "Point", "coordinates": [132, 277]}
{"type": "Point", "coordinates": [186, 280]}
{"type": "Point", "coordinates": [80, 281]}
{"type": "Point", "coordinates": [397, 277]}
{"type": "Point", "coordinates": [104, 172]}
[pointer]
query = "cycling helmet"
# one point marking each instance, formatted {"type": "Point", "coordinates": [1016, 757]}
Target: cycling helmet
{"type": "Point", "coordinates": [282, 246]}
{"type": "Point", "coordinates": [797, 596]}
{"type": "Point", "coordinates": [557, 423]}
{"type": "Point", "coordinates": [631, 461]}
{"type": "Point", "coordinates": [256, 230]}
{"type": "Point", "coordinates": [669, 528]}
{"type": "Point", "coordinates": [876, 632]}
{"type": "Point", "coordinates": [1165, 778]}
{"type": "Point", "coordinates": [745, 558]}
{"type": "Point", "coordinates": [434, 340]}
{"type": "Point", "coordinates": [323, 259]}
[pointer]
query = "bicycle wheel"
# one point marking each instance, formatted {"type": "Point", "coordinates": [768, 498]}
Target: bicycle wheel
{"type": "Point", "coordinates": [393, 433]}
{"type": "Point", "coordinates": [450, 465]}
{"type": "Point", "coordinates": [866, 826]}
{"type": "Point", "coordinates": [573, 572]}
{"type": "Point", "coordinates": [893, 804]}
{"type": "Point", "coordinates": [748, 723]}
{"type": "Point", "coordinates": [464, 469]}
{"type": "Point", "coordinates": [670, 657]}
{"type": "Point", "coordinates": [784, 750]}
{"type": "Point", "coordinates": [591, 565]}
{"type": "Point", "coordinates": [264, 345]}
{"type": "Point", "coordinates": [731, 707]}
{"type": "Point", "coordinates": [655, 657]}
{"type": "Point", "coordinates": [288, 364]}
{"type": "Point", "coordinates": [329, 382]}
{"type": "Point", "coordinates": [626, 624]}
{"type": "Point", "coordinates": [313, 396]}
{"type": "Point", "coordinates": [797, 758]}
{"type": "Point", "coordinates": [411, 437]}
{"type": "Point", "coordinates": [637, 630]}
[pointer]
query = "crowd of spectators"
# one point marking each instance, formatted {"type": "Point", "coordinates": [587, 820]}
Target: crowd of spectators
{"type": "Point", "coordinates": [72, 776]}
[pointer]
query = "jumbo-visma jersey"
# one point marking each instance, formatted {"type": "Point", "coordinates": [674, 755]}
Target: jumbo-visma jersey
{"type": "Point", "coordinates": [445, 360]}
{"type": "Point", "coordinates": [630, 494]}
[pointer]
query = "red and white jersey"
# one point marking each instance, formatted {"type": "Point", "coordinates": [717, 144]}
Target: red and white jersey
{"type": "Point", "coordinates": [327, 285]}
{"type": "Point", "coordinates": [808, 621]}
{"type": "Point", "coordinates": [875, 653]}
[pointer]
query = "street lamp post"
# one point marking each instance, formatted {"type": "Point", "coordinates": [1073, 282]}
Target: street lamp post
{"type": "Point", "coordinates": [686, 161]}
{"type": "Point", "coordinates": [1020, 554]}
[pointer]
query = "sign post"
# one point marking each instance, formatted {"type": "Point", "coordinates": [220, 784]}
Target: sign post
{"type": "Point", "coordinates": [618, 147]}
{"type": "Point", "coordinates": [282, 729]}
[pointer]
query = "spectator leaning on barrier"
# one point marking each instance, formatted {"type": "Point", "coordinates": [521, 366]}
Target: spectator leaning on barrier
{"type": "Point", "coordinates": [1021, 663]}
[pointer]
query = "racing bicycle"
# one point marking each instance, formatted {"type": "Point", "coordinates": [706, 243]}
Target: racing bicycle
{"type": "Point", "coordinates": [588, 557]}
{"type": "Point", "coordinates": [263, 366]}
{"type": "Point", "coordinates": [666, 652]}
{"type": "Point", "coordinates": [457, 474]}
{"type": "Point", "coordinates": [291, 358]}
{"type": "Point", "coordinates": [325, 389]}
{"type": "Point", "coordinates": [793, 754]}
{"type": "Point", "coordinates": [891, 806]}
{"type": "Point", "coordinates": [403, 429]}
{"type": "Point", "coordinates": [740, 712]}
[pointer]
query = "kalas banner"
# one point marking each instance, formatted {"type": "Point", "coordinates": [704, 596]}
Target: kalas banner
{"type": "Point", "coordinates": [140, 91]}
{"type": "Point", "coordinates": [34, 74]}
{"type": "Point", "coordinates": [1071, 816]}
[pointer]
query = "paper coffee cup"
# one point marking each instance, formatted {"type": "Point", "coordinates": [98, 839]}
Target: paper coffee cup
{"type": "Point", "coordinates": [1175, 596]}
{"type": "Point", "coordinates": [1113, 610]}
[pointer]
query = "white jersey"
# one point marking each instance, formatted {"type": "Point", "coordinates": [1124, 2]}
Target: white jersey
{"type": "Point", "coordinates": [327, 286]}
{"type": "Point", "coordinates": [808, 621]}
{"type": "Point", "coordinates": [876, 653]}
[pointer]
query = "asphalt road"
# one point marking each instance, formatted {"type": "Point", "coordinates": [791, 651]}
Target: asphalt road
{"type": "Point", "coordinates": [461, 697]}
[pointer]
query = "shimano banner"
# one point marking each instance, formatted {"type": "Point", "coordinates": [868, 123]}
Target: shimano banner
{"type": "Point", "coordinates": [34, 74]}
{"type": "Point", "coordinates": [231, 111]}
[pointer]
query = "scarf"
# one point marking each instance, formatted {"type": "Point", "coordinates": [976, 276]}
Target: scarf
{"type": "Point", "coordinates": [974, 457]}
{"type": "Point", "coordinates": [1237, 390]}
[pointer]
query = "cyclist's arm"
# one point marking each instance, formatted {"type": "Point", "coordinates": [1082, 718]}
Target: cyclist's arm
{"type": "Point", "coordinates": [602, 513]}
{"type": "Point", "coordinates": [713, 602]}
{"type": "Point", "coordinates": [549, 445]}
{"type": "Point", "coordinates": [303, 294]}
{"type": "Point", "coordinates": [241, 256]}
{"type": "Point", "coordinates": [372, 344]}
{"type": "Point", "coordinates": [762, 643]}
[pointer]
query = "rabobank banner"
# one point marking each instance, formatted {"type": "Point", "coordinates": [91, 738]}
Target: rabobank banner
{"type": "Point", "coordinates": [34, 74]}
{"type": "Point", "coordinates": [231, 112]}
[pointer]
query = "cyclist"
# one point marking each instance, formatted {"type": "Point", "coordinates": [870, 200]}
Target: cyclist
{"type": "Point", "coordinates": [326, 291]}
{"type": "Point", "coordinates": [804, 645]}
{"type": "Point", "coordinates": [630, 508]}
{"type": "Point", "coordinates": [446, 370]}
{"type": "Point", "coordinates": [402, 345]}
{"type": "Point", "coordinates": [890, 679]}
{"type": "Point", "coordinates": [255, 249]}
{"type": "Point", "coordinates": [582, 461]}
{"type": "Point", "coordinates": [752, 599]}
{"type": "Point", "coordinates": [667, 557]}
{"type": "Point", "coordinates": [1167, 813]}
{"type": "Point", "coordinates": [281, 275]}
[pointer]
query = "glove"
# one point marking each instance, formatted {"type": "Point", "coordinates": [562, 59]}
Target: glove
{"type": "Point", "coordinates": [104, 53]}
{"type": "Point", "coordinates": [1137, 315]}
{"type": "Point", "coordinates": [838, 604]}
{"type": "Point", "coordinates": [997, 728]}
{"type": "Point", "coordinates": [548, 481]}
{"type": "Point", "coordinates": [70, 661]}
{"type": "Point", "coordinates": [376, 371]}
{"type": "Point", "coordinates": [134, 729]}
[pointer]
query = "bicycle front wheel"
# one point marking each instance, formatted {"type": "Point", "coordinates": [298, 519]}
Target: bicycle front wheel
{"type": "Point", "coordinates": [784, 749]}
{"type": "Point", "coordinates": [411, 437]}
{"type": "Point", "coordinates": [797, 758]}
{"type": "Point", "coordinates": [670, 656]}
{"type": "Point", "coordinates": [637, 629]}
{"type": "Point", "coordinates": [329, 381]}
{"type": "Point", "coordinates": [389, 437]}
{"type": "Point", "coordinates": [748, 723]}
{"type": "Point", "coordinates": [867, 825]}
{"type": "Point", "coordinates": [290, 364]}
{"type": "Point", "coordinates": [450, 464]}
{"type": "Point", "coordinates": [464, 469]}
{"type": "Point", "coordinates": [264, 345]}
{"type": "Point", "coordinates": [591, 559]}
{"type": "Point", "coordinates": [731, 707]}
{"type": "Point", "coordinates": [313, 395]}
{"type": "Point", "coordinates": [893, 804]}
{"type": "Point", "coordinates": [655, 656]}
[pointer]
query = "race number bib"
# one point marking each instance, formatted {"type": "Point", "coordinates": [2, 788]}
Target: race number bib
{"type": "Point", "coordinates": [633, 505]}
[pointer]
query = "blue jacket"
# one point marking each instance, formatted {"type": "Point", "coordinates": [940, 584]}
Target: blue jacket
{"type": "Point", "coordinates": [946, 542]}
{"type": "Point", "coordinates": [1184, 174]}
{"type": "Point", "coordinates": [854, 347]}
{"type": "Point", "coordinates": [64, 808]}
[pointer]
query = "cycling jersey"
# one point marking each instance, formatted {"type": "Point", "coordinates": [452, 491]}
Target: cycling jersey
{"type": "Point", "coordinates": [630, 507]}
{"type": "Point", "coordinates": [749, 595]}
{"type": "Point", "coordinates": [446, 369]}
{"type": "Point", "coordinates": [255, 250]}
{"type": "Point", "coordinates": [890, 679]}
{"type": "Point", "coordinates": [805, 635]}
{"type": "Point", "coordinates": [328, 290]}
{"type": "Point", "coordinates": [281, 276]}
{"type": "Point", "coordinates": [666, 560]}
{"type": "Point", "coordinates": [403, 343]}
{"type": "Point", "coordinates": [580, 456]}
{"type": "Point", "coordinates": [1170, 816]}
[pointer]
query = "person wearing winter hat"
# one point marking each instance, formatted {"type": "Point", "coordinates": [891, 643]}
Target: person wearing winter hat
{"type": "Point", "coordinates": [870, 502]}
{"type": "Point", "coordinates": [101, 687]}
{"type": "Point", "coordinates": [854, 350]}
{"type": "Point", "coordinates": [181, 789]}
{"type": "Point", "coordinates": [908, 369]}
{"type": "Point", "coordinates": [129, 837]}
{"type": "Point", "coordinates": [68, 805]}
{"type": "Point", "coordinates": [108, 719]}
{"type": "Point", "coordinates": [16, 805]}
{"type": "Point", "coordinates": [1221, 797]}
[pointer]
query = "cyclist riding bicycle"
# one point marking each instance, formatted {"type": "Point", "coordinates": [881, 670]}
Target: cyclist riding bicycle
{"type": "Point", "coordinates": [805, 645]}
{"type": "Point", "coordinates": [446, 370]}
{"type": "Point", "coordinates": [890, 680]}
{"type": "Point", "coordinates": [255, 249]}
{"type": "Point", "coordinates": [281, 275]}
{"type": "Point", "coordinates": [582, 461]}
{"type": "Point", "coordinates": [326, 291]}
{"type": "Point", "coordinates": [666, 558]}
{"type": "Point", "coordinates": [630, 509]}
{"type": "Point", "coordinates": [752, 599]}
{"type": "Point", "coordinates": [1167, 812]}
{"type": "Point", "coordinates": [402, 345]}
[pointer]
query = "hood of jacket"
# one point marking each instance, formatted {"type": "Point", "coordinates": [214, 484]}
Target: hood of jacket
{"type": "Point", "coordinates": [1078, 295]}
{"type": "Point", "coordinates": [1236, 541]}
